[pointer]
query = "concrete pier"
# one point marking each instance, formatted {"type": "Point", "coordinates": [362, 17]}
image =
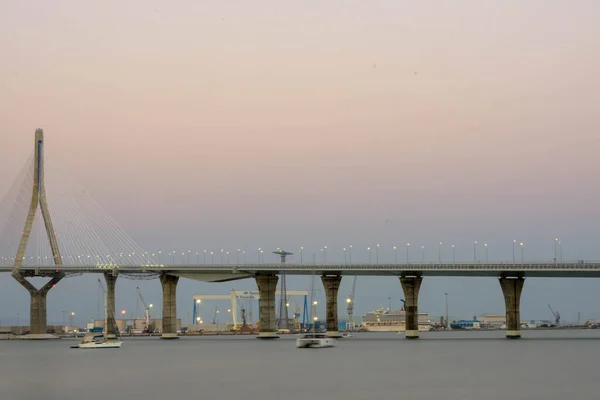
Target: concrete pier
{"type": "Point", "coordinates": [111, 327]}
{"type": "Point", "coordinates": [267, 284]}
{"type": "Point", "coordinates": [511, 288]}
{"type": "Point", "coordinates": [38, 328]}
{"type": "Point", "coordinates": [331, 285]}
{"type": "Point", "coordinates": [411, 286]}
{"type": "Point", "coordinates": [169, 308]}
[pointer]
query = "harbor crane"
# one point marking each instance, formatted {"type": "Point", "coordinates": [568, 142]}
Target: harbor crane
{"type": "Point", "coordinates": [145, 309]}
{"type": "Point", "coordinates": [556, 315]}
{"type": "Point", "coordinates": [350, 301]}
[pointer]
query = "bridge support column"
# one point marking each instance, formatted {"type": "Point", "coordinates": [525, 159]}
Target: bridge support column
{"type": "Point", "coordinates": [511, 288]}
{"type": "Point", "coordinates": [411, 286]}
{"type": "Point", "coordinates": [169, 308]}
{"type": "Point", "coordinates": [37, 313]}
{"type": "Point", "coordinates": [111, 323]}
{"type": "Point", "coordinates": [38, 328]}
{"type": "Point", "coordinates": [331, 285]}
{"type": "Point", "coordinates": [267, 284]}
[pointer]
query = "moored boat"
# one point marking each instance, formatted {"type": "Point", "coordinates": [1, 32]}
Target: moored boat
{"type": "Point", "coordinates": [95, 341]}
{"type": "Point", "coordinates": [100, 340]}
{"type": "Point", "coordinates": [316, 340]}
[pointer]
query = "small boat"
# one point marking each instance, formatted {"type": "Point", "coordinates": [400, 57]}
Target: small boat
{"type": "Point", "coordinates": [316, 340]}
{"type": "Point", "coordinates": [97, 341]}
{"type": "Point", "coordinates": [346, 335]}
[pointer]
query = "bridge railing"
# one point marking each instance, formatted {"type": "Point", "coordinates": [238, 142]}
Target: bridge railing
{"type": "Point", "coordinates": [492, 266]}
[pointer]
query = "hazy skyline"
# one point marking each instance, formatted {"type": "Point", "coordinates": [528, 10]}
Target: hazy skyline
{"type": "Point", "coordinates": [229, 125]}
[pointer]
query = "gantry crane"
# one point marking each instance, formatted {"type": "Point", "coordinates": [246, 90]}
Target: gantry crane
{"type": "Point", "coordinates": [556, 315]}
{"type": "Point", "coordinates": [145, 308]}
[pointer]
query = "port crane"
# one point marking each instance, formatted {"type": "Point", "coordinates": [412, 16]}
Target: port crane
{"type": "Point", "coordinates": [350, 301]}
{"type": "Point", "coordinates": [145, 309]}
{"type": "Point", "coordinates": [556, 315]}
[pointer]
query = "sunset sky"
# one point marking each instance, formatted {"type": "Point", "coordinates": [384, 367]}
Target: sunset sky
{"type": "Point", "coordinates": [227, 124]}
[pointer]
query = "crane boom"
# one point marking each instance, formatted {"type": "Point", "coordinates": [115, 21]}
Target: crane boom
{"type": "Point", "coordinates": [145, 308]}
{"type": "Point", "coordinates": [556, 315]}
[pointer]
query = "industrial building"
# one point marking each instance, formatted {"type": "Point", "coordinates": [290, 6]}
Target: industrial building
{"type": "Point", "coordinates": [136, 325]}
{"type": "Point", "coordinates": [492, 321]}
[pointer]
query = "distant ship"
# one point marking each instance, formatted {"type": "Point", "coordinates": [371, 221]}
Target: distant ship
{"type": "Point", "coordinates": [382, 320]}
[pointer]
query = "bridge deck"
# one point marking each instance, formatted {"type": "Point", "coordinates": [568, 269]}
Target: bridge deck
{"type": "Point", "coordinates": [580, 269]}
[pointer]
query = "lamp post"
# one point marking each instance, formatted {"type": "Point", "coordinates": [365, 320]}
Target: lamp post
{"type": "Point", "coordinates": [377, 254]}
{"type": "Point", "coordinates": [440, 252]}
{"type": "Point", "coordinates": [350, 254]}
{"type": "Point", "coordinates": [475, 251]}
{"type": "Point", "coordinates": [522, 252]}
{"type": "Point", "coordinates": [486, 252]}
{"type": "Point", "coordinates": [324, 254]}
{"type": "Point", "coordinates": [513, 249]}
{"type": "Point", "coordinates": [423, 254]}
{"type": "Point", "coordinates": [395, 255]}
{"type": "Point", "coordinates": [407, 246]}
{"type": "Point", "coordinates": [453, 254]}
{"type": "Point", "coordinates": [369, 251]}
{"type": "Point", "coordinates": [555, 250]}
{"type": "Point", "coordinates": [301, 248]}
{"type": "Point", "coordinates": [560, 251]}
{"type": "Point", "coordinates": [345, 258]}
{"type": "Point", "coordinates": [71, 318]}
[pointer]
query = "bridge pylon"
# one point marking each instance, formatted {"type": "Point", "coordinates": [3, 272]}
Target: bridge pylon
{"type": "Point", "coordinates": [38, 325]}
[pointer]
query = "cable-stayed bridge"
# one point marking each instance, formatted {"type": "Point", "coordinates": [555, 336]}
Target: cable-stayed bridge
{"type": "Point", "coordinates": [70, 234]}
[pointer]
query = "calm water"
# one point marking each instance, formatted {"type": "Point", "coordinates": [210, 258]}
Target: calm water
{"type": "Point", "coordinates": [454, 365]}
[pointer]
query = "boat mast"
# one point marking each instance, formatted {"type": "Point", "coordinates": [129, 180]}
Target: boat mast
{"type": "Point", "coordinates": [312, 295]}
{"type": "Point", "coordinates": [105, 315]}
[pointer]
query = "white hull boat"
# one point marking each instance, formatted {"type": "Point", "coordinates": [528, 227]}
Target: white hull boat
{"type": "Point", "coordinates": [314, 340]}
{"type": "Point", "coordinates": [97, 340]}
{"type": "Point", "coordinates": [104, 344]}
{"type": "Point", "coordinates": [347, 336]}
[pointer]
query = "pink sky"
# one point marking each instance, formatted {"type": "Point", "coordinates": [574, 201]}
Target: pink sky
{"type": "Point", "coordinates": [204, 122]}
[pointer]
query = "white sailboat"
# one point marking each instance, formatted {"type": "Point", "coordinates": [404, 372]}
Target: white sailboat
{"type": "Point", "coordinates": [314, 339]}
{"type": "Point", "coordinates": [95, 340]}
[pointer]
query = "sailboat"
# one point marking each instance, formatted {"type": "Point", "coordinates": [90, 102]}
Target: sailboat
{"type": "Point", "coordinates": [314, 339]}
{"type": "Point", "coordinates": [97, 340]}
